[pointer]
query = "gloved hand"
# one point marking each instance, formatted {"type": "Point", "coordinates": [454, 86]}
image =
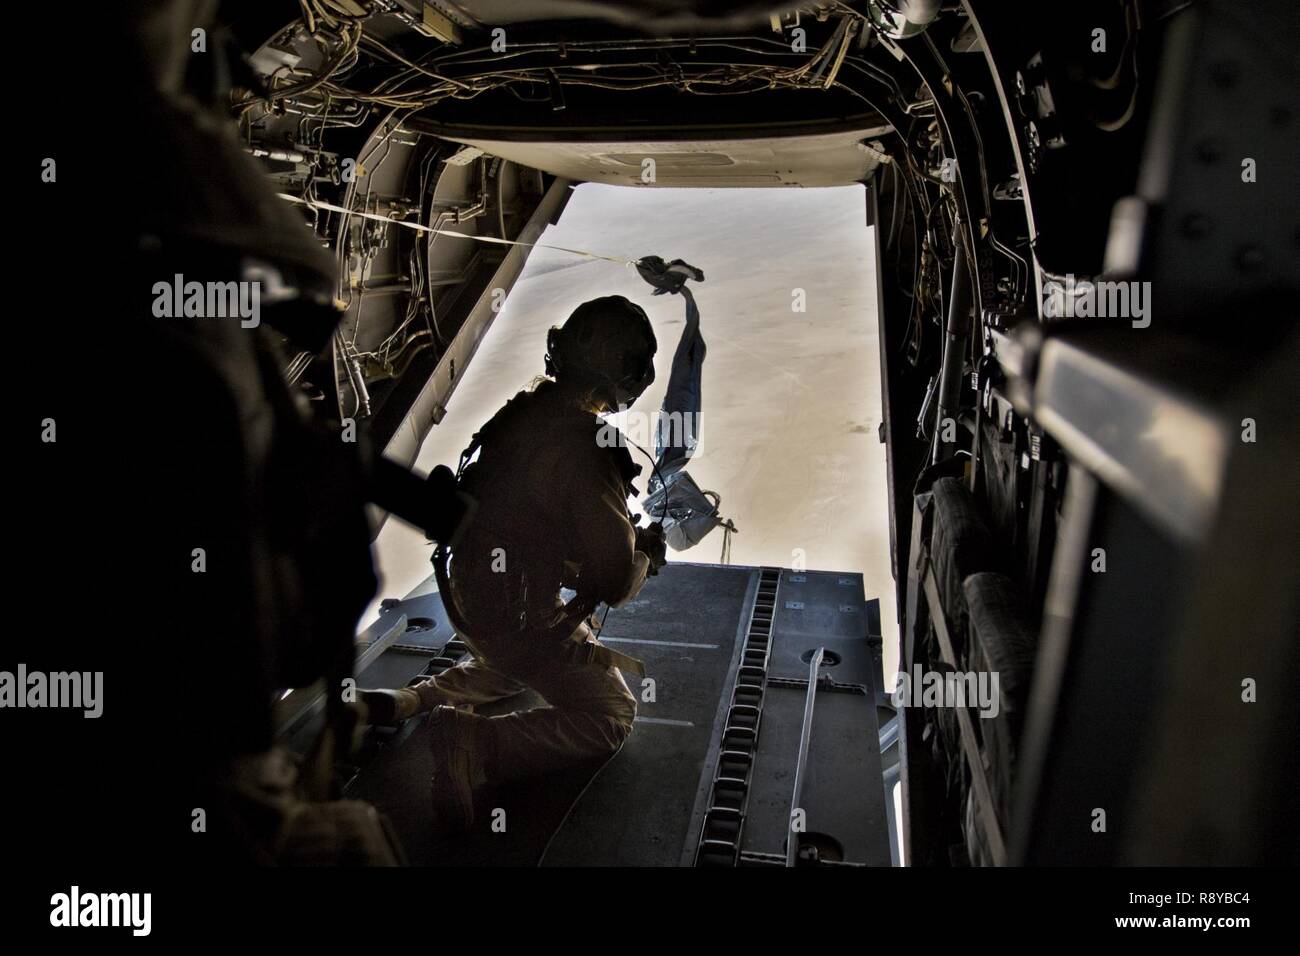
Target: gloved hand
{"type": "Point", "coordinates": [650, 542]}
{"type": "Point", "coordinates": [667, 276]}
{"type": "Point", "coordinates": [388, 707]}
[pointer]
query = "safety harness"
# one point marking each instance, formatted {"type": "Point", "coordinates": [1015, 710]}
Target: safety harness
{"type": "Point", "coordinates": [564, 632]}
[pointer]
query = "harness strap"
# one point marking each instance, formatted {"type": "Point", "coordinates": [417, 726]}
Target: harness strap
{"type": "Point", "coordinates": [576, 611]}
{"type": "Point", "coordinates": [590, 652]}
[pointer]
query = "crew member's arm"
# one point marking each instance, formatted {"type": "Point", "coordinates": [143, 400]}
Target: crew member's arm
{"type": "Point", "coordinates": [605, 538]}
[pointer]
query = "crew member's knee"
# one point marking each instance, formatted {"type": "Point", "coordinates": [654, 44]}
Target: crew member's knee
{"type": "Point", "coordinates": [620, 717]}
{"type": "Point", "coordinates": [622, 724]}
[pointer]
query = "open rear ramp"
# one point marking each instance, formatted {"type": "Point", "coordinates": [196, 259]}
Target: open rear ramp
{"type": "Point", "coordinates": [709, 773]}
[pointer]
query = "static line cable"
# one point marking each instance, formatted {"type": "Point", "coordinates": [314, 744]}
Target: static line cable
{"type": "Point", "coordinates": [419, 227]}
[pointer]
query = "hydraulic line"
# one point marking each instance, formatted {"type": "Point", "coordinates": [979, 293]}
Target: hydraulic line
{"type": "Point", "coordinates": [954, 344]}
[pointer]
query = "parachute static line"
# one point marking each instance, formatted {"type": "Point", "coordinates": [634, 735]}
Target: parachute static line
{"type": "Point", "coordinates": [419, 227]}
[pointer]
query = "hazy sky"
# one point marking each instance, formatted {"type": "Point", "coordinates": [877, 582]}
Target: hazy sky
{"type": "Point", "coordinates": [791, 399]}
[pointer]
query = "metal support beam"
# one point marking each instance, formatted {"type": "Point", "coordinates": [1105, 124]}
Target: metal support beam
{"type": "Point", "coordinates": [801, 762]}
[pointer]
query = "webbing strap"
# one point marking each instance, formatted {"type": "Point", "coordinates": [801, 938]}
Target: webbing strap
{"type": "Point", "coordinates": [592, 652]}
{"type": "Point", "coordinates": [577, 611]}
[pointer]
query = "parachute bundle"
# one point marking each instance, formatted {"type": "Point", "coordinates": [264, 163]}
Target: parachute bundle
{"type": "Point", "coordinates": [687, 512]}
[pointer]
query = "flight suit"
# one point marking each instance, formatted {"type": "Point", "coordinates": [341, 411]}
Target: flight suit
{"type": "Point", "coordinates": [552, 513]}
